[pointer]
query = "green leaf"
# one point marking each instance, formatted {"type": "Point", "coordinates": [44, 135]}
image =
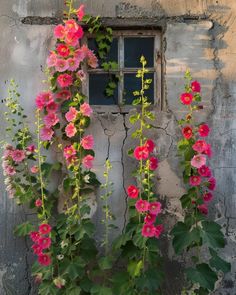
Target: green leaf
{"type": "Point", "coordinates": [134, 268]}
{"type": "Point", "coordinates": [218, 263]}
{"type": "Point", "coordinates": [47, 288]}
{"type": "Point", "coordinates": [203, 275]}
{"type": "Point", "coordinates": [105, 263]}
{"type": "Point", "coordinates": [23, 229]}
{"type": "Point", "coordinates": [134, 118]}
{"type": "Point", "coordinates": [100, 290]}
{"type": "Point", "coordinates": [151, 280]}
{"type": "Point", "coordinates": [121, 283]}
{"type": "Point", "coordinates": [212, 235]}
{"type": "Point", "coordinates": [76, 268]}
{"type": "Point", "coordinates": [73, 291]}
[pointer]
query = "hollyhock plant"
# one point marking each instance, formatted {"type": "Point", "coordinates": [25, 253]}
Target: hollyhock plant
{"type": "Point", "coordinates": [18, 155]}
{"type": "Point", "coordinates": [154, 208]}
{"type": "Point", "coordinates": [186, 98]}
{"type": "Point", "coordinates": [50, 120]}
{"type": "Point", "coordinates": [141, 153]}
{"type": "Point", "coordinates": [148, 230]}
{"type": "Point", "coordinates": [44, 229]}
{"type": "Point", "coordinates": [203, 130]}
{"type": "Point", "coordinates": [132, 191]}
{"type": "Point", "coordinates": [196, 86]}
{"type": "Point", "coordinates": [44, 242]}
{"type": "Point", "coordinates": [70, 130]}
{"type": "Point", "coordinates": [199, 146]}
{"type": "Point", "coordinates": [87, 142]}
{"type": "Point", "coordinates": [198, 161]}
{"type": "Point", "coordinates": [46, 133]}
{"type": "Point", "coordinates": [195, 180]}
{"type": "Point", "coordinates": [204, 171]}
{"type": "Point", "coordinates": [64, 80]}
{"type": "Point", "coordinates": [153, 163]}
{"type": "Point", "coordinates": [150, 145]}
{"type": "Point", "coordinates": [87, 161]}
{"type": "Point", "coordinates": [44, 259]}
{"type": "Point", "coordinates": [150, 218]}
{"type": "Point", "coordinates": [142, 205]}
{"type": "Point", "coordinates": [59, 31]}
{"type": "Point", "coordinates": [187, 132]}
{"type": "Point", "coordinates": [86, 110]}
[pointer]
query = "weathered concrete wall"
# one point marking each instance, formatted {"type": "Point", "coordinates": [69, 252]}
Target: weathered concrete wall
{"type": "Point", "coordinates": [197, 34]}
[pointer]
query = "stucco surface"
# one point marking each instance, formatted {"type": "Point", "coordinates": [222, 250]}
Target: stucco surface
{"type": "Point", "coordinates": [197, 34]}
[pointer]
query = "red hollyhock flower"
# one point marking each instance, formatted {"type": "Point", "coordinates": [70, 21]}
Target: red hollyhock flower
{"type": "Point", "coordinates": [44, 259]}
{"type": "Point", "coordinates": [45, 229]}
{"type": "Point", "coordinates": [64, 80]}
{"type": "Point", "coordinates": [158, 230]}
{"type": "Point", "coordinates": [203, 209]}
{"type": "Point", "coordinates": [204, 171]}
{"type": "Point", "coordinates": [150, 218]}
{"type": "Point", "coordinates": [186, 98]}
{"type": "Point", "coordinates": [196, 86]}
{"type": "Point", "coordinates": [63, 50]}
{"type": "Point", "coordinates": [203, 130]}
{"type": "Point", "coordinates": [37, 249]}
{"type": "Point", "coordinates": [34, 235]}
{"type": "Point", "coordinates": [148, 230]}
{"type": "Point", "coordinates": [195, 180]}
{"type": "Point", "coordinates": [132, 191]}
{"type": "Point", "coordinates": [207, 197]}
{"type": "Point", "coordinates": [212, 184]}
{"type": "Point", "coordinates": [153, 163]}
{"type": "Point", "coordinates": [142, 205]}
{"type": "Point", "coordinates": [155, 208]}
{"type": "Point", "coordinates": [150, 145]}
{"type": "Point", "coordinates": [187, 132]}
{"type": "Point", "coordinates": [141, 153]}
{"type": "Point", "coordinates": [208, 150]}
{"type": "Point", "coordinates": [199, 146]}
{"type": "Point", "coordinates": [44, 242]}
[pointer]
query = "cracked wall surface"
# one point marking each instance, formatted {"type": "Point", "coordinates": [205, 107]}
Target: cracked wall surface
{"type": "Point", "coordinates": [197, 34]}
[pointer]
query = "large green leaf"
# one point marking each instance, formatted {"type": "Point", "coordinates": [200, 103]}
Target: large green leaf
{"type": "Point", "coordinates": [105, 263]}
{"type": "Point", "coordinates": [212, 235]}
{"type": "Point", "coordinates": [203, 275]}
{"type": "Point", "coordinates": [23, 229]}
{"type": "Point", "coordinates": [73, 291]}
{"type": "Point", "coordinates": [151, 280]}
{"type": "Point", "coordinates": [76, 268]}
{"type": "Point", "coordinates": [100, 290]}
{"type": "Point", "coordinates": [134, 268]}
{"type": "Point", "coordinates": [218, 263]}
{"type": "Point", "coordinates": [47, 288]}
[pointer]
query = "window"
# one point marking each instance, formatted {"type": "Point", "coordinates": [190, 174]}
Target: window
{"type": "Point", "coordinates": [126, 49]}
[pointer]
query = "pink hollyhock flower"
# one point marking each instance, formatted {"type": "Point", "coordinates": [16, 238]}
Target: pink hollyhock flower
{"type": "Point", "coordinates": [71, 26]}
{"type": "Point", "coordinates": [153, 163]}
{"type": "Point", "coordinates": [73, 64]}
{"type": "Point", "coordinates": [44, 229]}
{"type": "Point", "coordinates": [70, 130]}
{"type": "Point", "coordinates": [46, 133]}
{"type": "Point", "coordinates": [39, 103]}
{"type": "Point", "coordinates": [34, 235]}
{"type": "Point", "coordinates": [203, 130]}
{"type": "Point", "coordinates": [34, 169]}
{"type": "Point", "coordinates": [71, 114]}
{"type": "Point", "coordinates": [81, 75]}
{"type": "Point", "coordinates": [64, 80]}
{"type": "Point", "coordinates": [204, 171]}
{"type": "Point", "coordinates": [155, 208]}
{"type": "Point", "coordinates": [71, 160]}
{"type": "Point", "coordinates": [51, 60]}
{"type": "Point", "coordinates": [44, 259]}
{"type": "Point", "coordinates": [43, 99]}
{"type": "Point", "coordinates": [50, 120]}
{"type": "Point", "coordinates": [63, 94]}
{"type": "Point", "coordinates": [85, 109]}
{"type": "Point", "coordinates": [195, 180]}
{"type": "Point", "coordinates": [203, 209]}
{"type": "Point", "coordinates": [37, 249]}
{"type": "Point", "coordinates": [52, 107]}
{"type": "Point", "coordinates": [63, 50]}
{"type": "Point", "coordinates": [9, 170]}
{"type": "Point", "coordinates": [207, 197]}
{"type": "Point", "coordinates": [31, 148]}
{"type": "Point", "coordinates": [198, 161]}
{"type": "Point", "coordinates": [71, 39]}
{"type": "Point", "coordinates": [88, 161]}
{"type": "Point", "coordinates": [186, 98]}
{"type": "Point", "coordinates": [61, 65]}
{"type": "Point", "coordinates": [18, 155]}
{"type": "Point", "coordinates": [38, 203]}
{"type": "Point", "coordinates": [200, 146]}
{"type": "Point", "coordinates": [44, 242]}
{"type": "Point", "coordinates": [142, 205]}
{"type": "Point", "coordinates": [208, 150]}
{"type": "Point", "coordinates": [80, 54]}
{"type": "Point", "coordinates": [69, 151]}
{"type": "Point", "coordinates": [141, 153]}
{"type": "Point", "coordinates": [80, 12]}
{"type": "Point", "coordinates": [92, 60]}
{"type": "Point", "coordinates": [158, 230]}
{"type": "Point", "coordinates": [87, 142]}
{"type": "Point", "coordinates": [150, 218]}
{"type": "Point", "coordinates": [59, 32]}
{"type": "Point", "coordinates": [148, 230]}
{"type": "Point", "coordinates": [132, 191]}
{"type": "Point", "coordinates": [187, 132]}
{"type": "Point", "coordinates": [150, 145]}
{"type": "Point", "coordinates": [80, 32]}
{"type": "Point", "coordinates": [196, 86]}
{"type": "Point", "coordinates": [212, 183]}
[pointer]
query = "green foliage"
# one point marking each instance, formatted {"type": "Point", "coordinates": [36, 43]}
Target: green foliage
{"type": "Point", "coordinates": [24, 229]}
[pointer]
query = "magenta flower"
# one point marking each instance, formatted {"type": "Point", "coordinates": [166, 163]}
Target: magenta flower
{"type": "Point", "coordinates": [142, 205]}
{"type": "Point", "coordinates": [80, 12]}
{"type": "Point", "coordinates": [44, 229]}
{"type": "Point", "coordinates": [195, 180]}
{"type": "Point", "coordinates": [63, 50]}
{"type": "Point", "coordinates": [88, 161]}
{"type": "Point", "coordinates": [18, 155]}
{"type": "Point", "coordinates": [150, 145]}
{"type": "Point", "coordinates": [150, 218]}
{"type": "Point", "coordinates": [34, 235]}
{"type": "Point", "coordinates": [203, 130]}
{"type": "Point", "coordinates": [208, 196]}
{"type": "Point", "coordinates": [208, 150]}
{"type": "Point", "coordinates": [148, 230]}
{"type": "Point", "coordinates": [153, 163]}
{"type": "Point", "coordinates": [87, 142]}
{"type": "Point", "coordinates": [59, 32]}
{"type": "Point", "coordinates": [34, 169]}
{"type": "Point", "coordinates": [196, 86]}
{"type": "Point", "coordinates": [43, 99]}
{"type": "Point", "coordinates": [44, 259]}
{"type": "Point", "coordinates": [37, 249]}
{"type": "Point", "coordinates": [52, 107]}
{"type": "Point", "coordinates": [204, 171]}
{"type": "Point", "coordinates": [132, 191]}
{"type": "Point", "coordinates": [46, 133]}
{"type": "Point", "coordinates": [51, 120]}
{"type": "Point", "coordinates": [69, 151]}
{"type": "Point", "coordinates": [61, 65]}
{"type": "Point", "coordinates": [186, 98]}
{"type": "Point", "coordinates": [80, 53]}
{"type": "Point", "coordinates": [9, 170]}
{"type": "Point", "coordinates": [73, 64]}
{"type": "Point", "coordinates": [63, 94]}
{"type": "Point", "coordinates": [212, 183]}
{"type": "Point", "coordinates": [31, 148]}
{"type": "Point", "coordinates": [72, 39]}
{"type": "Point", "coordinates": [141, 153]}
{"type": "Point", "coordinates": [203, 209]}
{"type": "Point", "coordinates": [44, 242]}
{"type": "Point", "coordinates": [158, 230]}
{"type": "Point", "coordinates": [70, 130]}
{"type": "Point", "coordinates": [71, 114]}
{"type": "Point", "coordinates": [198, 161]}
{"type": "Point", "coordinates": [71, 26]}
{"type": "Point", "coordinates": [64, 80]}
{"type": "Point", "coordinates": [200, 146]}
{"type": "Point", "coordinates": [155, 208]}
{"type": "Point", "coordinates": [51, 60]}
{"type": "Point", "coordinates": [86, 110]}
{"type": "Point", "coordinates": [38, 203]}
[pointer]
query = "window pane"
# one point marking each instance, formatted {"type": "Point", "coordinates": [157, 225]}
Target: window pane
{"type": "Point", "coordinates": [113, 54]}
{"type": "Point", "coordinates": [132, 83]}
{"type": "Point", "coordinates": [97, 87]}
{"type": "Point", "coordinates": [135, 48]}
